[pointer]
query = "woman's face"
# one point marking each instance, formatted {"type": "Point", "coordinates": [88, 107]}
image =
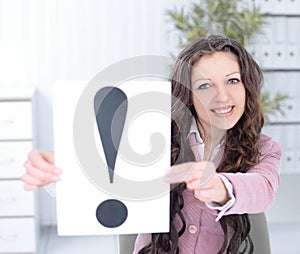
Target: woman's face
{"type": "Point", "coordinates": [218, 93]}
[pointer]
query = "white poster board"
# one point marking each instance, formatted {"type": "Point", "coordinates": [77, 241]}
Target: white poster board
{"type": "Point", "coordinates": [142, 159]}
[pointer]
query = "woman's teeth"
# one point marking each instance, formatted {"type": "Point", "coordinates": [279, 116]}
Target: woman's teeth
{"type": "Point", "coordinates": [223, 110]}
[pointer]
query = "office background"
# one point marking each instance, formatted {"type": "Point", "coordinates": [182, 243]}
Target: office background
{"type": "Point", "coordinates": [43, 41]}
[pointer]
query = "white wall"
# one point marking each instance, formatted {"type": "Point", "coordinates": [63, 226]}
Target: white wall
{"type": "Point", "coordinates": [42, 41]}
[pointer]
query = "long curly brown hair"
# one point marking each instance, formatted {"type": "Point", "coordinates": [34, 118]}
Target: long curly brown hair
{"type": "Point", "coordinates": [241, 150]}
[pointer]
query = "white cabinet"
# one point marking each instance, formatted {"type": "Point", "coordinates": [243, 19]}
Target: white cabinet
{"type": "Point", "coordinates": [12, 155]}
{"type": "Point", "coordinates": [15, 120]}
{"type": "Point", "coordinates": [17, 206]}
{"type": "Point", "coordinates": [17, 235]}
{"type": "Point", "coordinates": [14, 201]}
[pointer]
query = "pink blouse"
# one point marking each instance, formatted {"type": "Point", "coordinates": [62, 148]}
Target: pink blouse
{"type": "Point", "coordinates": [254, 192]}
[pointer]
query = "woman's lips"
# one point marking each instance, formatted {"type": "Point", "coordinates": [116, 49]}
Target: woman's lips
{"type": "Point", "coordinates": [223, 111]}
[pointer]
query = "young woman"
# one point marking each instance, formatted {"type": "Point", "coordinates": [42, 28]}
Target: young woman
{"type": "Point", "coordinates": [223, 168]}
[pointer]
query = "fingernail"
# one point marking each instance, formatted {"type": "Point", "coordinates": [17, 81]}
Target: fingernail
{"type": "Point", "coordinates": [57, 171]}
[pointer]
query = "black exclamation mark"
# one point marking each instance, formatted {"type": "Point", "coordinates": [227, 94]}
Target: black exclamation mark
{"type": "Point", "coordinates": [110, 105]}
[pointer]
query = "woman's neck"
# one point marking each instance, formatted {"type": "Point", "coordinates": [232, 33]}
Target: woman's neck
{"type": "Point", "coordinates": [212, 138]}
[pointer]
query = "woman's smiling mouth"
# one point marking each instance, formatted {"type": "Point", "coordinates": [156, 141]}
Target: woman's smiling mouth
{"type": "Point", "coordinates": [223, 111]}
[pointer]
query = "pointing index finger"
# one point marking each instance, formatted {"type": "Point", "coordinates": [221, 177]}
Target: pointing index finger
{"type": "Point", "coordinates": [208, 173]}
{"type": "Point", "coordinates": [179, 173]}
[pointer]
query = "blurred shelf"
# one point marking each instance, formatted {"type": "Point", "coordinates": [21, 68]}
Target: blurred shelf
{"type": "Point", "coordinates": [291, 69]}
{"type": "Point", "coordinates": [283, 123]}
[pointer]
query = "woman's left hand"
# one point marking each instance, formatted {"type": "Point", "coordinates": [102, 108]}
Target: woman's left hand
{"type": "Point", "coordinates": [202, 178]}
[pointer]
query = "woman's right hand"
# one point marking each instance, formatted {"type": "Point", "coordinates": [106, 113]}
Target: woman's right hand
{"type": "Point", "coordinates": [40, 170]}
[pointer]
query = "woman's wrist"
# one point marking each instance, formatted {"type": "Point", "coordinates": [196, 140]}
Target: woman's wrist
{"type": "Point", "coordinates": [222, 196]}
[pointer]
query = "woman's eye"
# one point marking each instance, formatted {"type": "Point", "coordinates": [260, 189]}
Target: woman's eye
{"type": "Point", "coordinates": [233, 81]}
{"type": "Point", "coordinates": [204, 86]}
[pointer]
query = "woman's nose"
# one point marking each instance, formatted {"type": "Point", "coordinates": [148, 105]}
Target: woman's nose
{"type": "Point", "coordinates": [221, 93]}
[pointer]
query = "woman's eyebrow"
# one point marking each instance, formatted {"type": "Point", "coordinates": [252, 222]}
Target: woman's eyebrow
{"type": "Point", "coordinates": [201, 79]}
{"type": "Point", "coordinates": [235, 72]}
